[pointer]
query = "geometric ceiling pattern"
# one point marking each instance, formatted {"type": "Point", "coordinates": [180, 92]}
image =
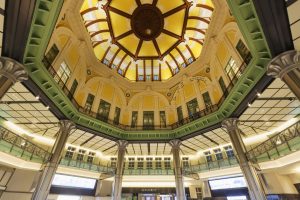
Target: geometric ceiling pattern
{"type": "Point", "coordinates": [273, 107]}
{"type": "Point", "coordinates": [147, 40]}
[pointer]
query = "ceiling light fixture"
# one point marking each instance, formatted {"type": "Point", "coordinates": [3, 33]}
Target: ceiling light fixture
{"type": "Point", "coordinates": [249, 105]}
{"type": "Point", "coordinates": [258, 94]}
{"type": "Point", "coordinates": [37, 97]}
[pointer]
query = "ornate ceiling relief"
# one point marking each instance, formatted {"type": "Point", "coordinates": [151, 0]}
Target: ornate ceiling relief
{"type": "Point", "coordinates": [147, 40]}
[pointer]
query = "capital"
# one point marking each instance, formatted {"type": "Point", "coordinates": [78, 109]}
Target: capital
{"type": "Point", "coordinates": [66, 126]}
{"type": "Point", "coordinates": [283, 63]}
{"type": "Point", "coordinates": [12, 70]}
{"type": "Point", "coordinates": [122, 144]}
{"type": "Point", "coordinates": [175, 143]}
{"type": "Point", "coordinates": [230, 124]}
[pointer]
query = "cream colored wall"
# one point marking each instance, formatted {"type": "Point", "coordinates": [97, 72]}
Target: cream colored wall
{"type": "Point", "coordinates": [279, 184]}
{"type": "Point", "coordinates": [104, 84]}
{"type": "Point", "coordinates": [20, 185]}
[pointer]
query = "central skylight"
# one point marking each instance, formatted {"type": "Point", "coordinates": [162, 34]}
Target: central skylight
{"type": "Point", "coordinates": [147, 40]}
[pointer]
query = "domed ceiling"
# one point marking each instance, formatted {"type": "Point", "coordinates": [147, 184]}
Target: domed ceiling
{"type": "Point", "coordinates": [147, 40]}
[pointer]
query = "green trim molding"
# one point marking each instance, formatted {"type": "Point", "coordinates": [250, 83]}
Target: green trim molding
{"type": "Point", "coordinates": [43, 23]}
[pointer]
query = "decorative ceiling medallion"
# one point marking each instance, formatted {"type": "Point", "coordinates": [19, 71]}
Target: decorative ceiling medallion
{"type": "Point", "coordinates": [147, 24]}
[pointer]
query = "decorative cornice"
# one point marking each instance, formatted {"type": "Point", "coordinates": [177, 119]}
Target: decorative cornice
{"type": "Point", "coordinates": [12, 70]}
{"type": "Point", "coordinates": [122, 144]}
{"type": "Point", "coordinates": [66, 126]}
{"type": "Point", "coordinates": [230, 124]}
{"type": "Point", "coordinates": [175, 144]}
{"type": "Point", "coordinates": [283, 63]}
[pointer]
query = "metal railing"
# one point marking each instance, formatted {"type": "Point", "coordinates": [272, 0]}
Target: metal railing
{"type": "Point", "coordinates": [278, 145]}
{"type": "Point", "coordinates": [87, 166]}
{"type": "Point", "coordinates": [213, 165]}
{"type": "Point", "coordinates": [148, 172]}
{"type": "Point", "coordinates": [20, 147]}
{"type": "Point", "coordinates": [206, 111]}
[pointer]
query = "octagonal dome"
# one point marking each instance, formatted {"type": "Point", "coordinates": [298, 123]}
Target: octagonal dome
{"type": "Point", "coordinates": [147, 40]}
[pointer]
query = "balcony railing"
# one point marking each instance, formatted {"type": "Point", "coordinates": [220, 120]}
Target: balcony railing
{"type": "Point", "coordinates": [213, 165]}
{"type": "Point", "coordinates": [208, 110]}
{"type": "Point", "coordinates": [86, 166]}
{"type": "Point", "coordinates": [281, 144]}
{"type": "Point", "coordinates": [20, 147]}
{"type": "Point", "coordinates": [148, 172]}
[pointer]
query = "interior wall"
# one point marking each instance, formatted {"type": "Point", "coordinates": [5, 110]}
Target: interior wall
{"type": "Point", "coordinates": [105, 87]}
{"type": "Point", "coordinates": [20, 185]}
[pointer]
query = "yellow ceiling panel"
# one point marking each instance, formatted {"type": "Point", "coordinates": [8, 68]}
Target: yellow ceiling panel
{"type": "Point", "coordinates": [175, 53]}
{"type": "Point", "coordinates": [165, 73]}
{"type": "Point", "coordinates": [196, 48]}
{"type": "Point", "coordinates": [181, 47]}
{"type": "Point", "coordinates": [174, 23]}
{"type": "Point", "coordinates": [166, 5]}
{"type": "Point", "coordinates": [165, 42]}
{"type": "Point", "coordinates": [103, 26]}
{"type": "Point", "coordinates": [84, 6]}
{"type": "Point", "coordinates": [127, 6]}
{"type": "Point", "coordinates": [146, 1]}
{"type": "Point", "coordinates": [131, 72]}
{"type": "Point", "coordinates": [99, 51]}
{"type": "Point", "coordinates": [131, 41]}
{"type": "Point", "coordinates": [148, 49]}
{"type": "Point", "coordinates": [119, 24]}
{"type": "Point", "coordinates": [192, 23]}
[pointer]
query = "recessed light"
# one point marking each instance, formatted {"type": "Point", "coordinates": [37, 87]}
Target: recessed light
{"type": "Point", "coordinates": [258, 94]}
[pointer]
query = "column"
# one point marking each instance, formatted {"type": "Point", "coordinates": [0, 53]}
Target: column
{"type": "Point", "coordinates": [286, 66]}
{"type": "Point", "coordinates": [117, 188]}
{"type": "Point", "coordinates": [254, 185]}
{"type": "Point", "coordinates": [48, 171]}
{"type": "Point", "coordinates": [180, 192]}
{"type": "Point", "coordinates": [206, 194]}
{"type": "Point", "coordinates": [10, 72]}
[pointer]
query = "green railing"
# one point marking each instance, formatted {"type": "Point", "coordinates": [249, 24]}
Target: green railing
{"type": "Point", "coordinates": [281, 144]}
{"type": "Point", "coordinates": [148, 172]}
{"type": "Point", "coordinates": [20, 147]}
{"type": "Point", "coordinates": [213, 165]}
{"type": "Point", "coordinates": [86, 166]}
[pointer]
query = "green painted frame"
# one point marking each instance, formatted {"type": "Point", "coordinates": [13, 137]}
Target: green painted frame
{"type": "Point", "coordinates": [43, 23]}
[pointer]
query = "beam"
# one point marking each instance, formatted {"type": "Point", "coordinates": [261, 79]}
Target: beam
{"type": "Point", "coordinates": [156, 47]}
{"type": "Point", "coordinates": [114, 57]}
{"type": "Point", "coordinates": [99, 42]}
{"type": "Point", "coordinates": [176, 62]}
{"type": "Point", "coordinates": [119, 12]}
{"type": "Point", "coordinates": [171, 34]}
{"type": "Point", "coordinates": [90, 23]}
{"type": "Point", "coordinates": [195, 29]}
{"type": "Point", "coordinates": [190, 51]}
{"type": "Point", "coordinates": [138, 48]}
{"type": "Point", "coordinates": [199, 18]}
{"type": "Point", "coordinates": [122, 60]}
{"type": "Point", "coordinates": [174, 10]}
{"type": "Point", "coordinates": [124, 35]}
{"type": "Point", "coordinates": [88, 10]}
{"type": "Point", "coordinates": [182, 56]}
